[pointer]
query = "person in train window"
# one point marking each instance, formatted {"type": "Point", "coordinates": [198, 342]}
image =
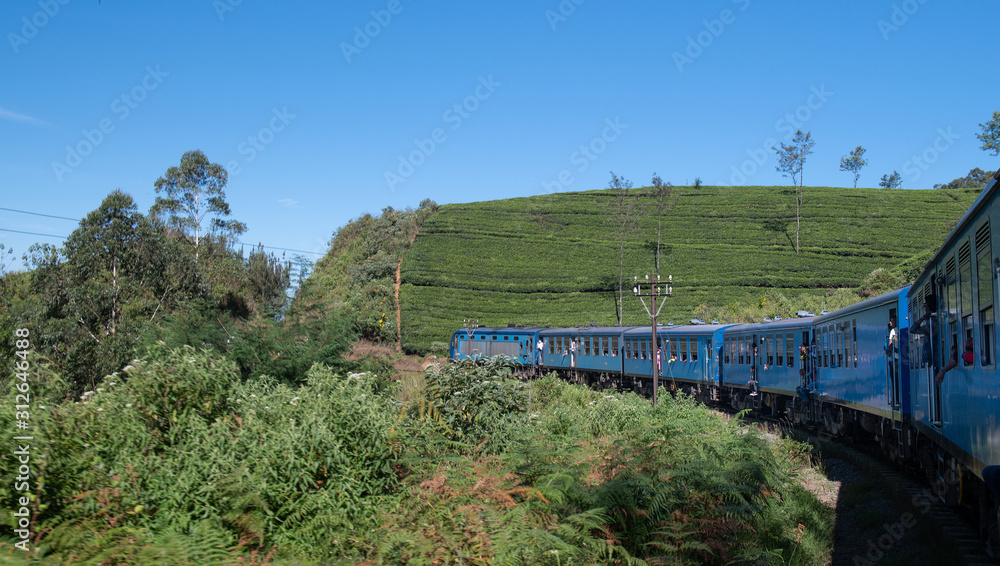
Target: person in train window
{"type": "Point", "coordinates": [753, 373]}
{"type": "Point", "coordinates": [892, 340]}
{"type": "Point", "coordinates": [952, 364]}
{"type": "Point", "coordinates": [969, 357]}
{"type": "Point", "coordinates": [926, 329]}
{"type": "Point", "coordinates": [538, 351]}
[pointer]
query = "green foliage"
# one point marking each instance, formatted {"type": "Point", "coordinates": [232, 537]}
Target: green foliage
{"type": "Point", "coordinates": [177, 457]}
{"type": "Point", "coordinates": [893, 181]}
{"type": "Point", "coordinates": [990, 134]}
{"type": "Point", "coordinates": [360, 271]}
{"type": "Point", "coordinates": [194, 190]}
{"type": "Point", "coordinates": [854, 162]}
{"type": "Point", "coordinates": [724, 245]}
{"type": "Point", "coordinates": [977, 178]}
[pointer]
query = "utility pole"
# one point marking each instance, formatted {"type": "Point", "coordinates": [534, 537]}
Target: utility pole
{"type": "Point", "coordinates": [656, 289]}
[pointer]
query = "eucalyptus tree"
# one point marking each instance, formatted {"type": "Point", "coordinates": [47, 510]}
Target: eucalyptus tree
{"type": "Point", "coordinates": [194, 193]}
{"type": "Point", "coordinates": [791, 162]}
{"type": "Point", "coordinates": [853, 162]}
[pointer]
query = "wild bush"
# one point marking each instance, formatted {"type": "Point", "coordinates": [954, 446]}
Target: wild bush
{"type": "Point", "coordinates": [179, 444]}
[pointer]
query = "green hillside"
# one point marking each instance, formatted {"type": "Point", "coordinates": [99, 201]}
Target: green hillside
{"type": "Point", "coordinates": [553, 259]}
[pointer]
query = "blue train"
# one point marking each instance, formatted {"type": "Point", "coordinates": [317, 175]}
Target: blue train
{"type": "Point", "coordinates": [914, 369]}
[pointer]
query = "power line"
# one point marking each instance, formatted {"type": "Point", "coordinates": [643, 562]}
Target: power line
{"type": "Point", "coordinates": [31, 233]}
{"type": "Point", "coordinates": [241, 243]}
{"type": "Point", "coordinates": [77, 220]}
{"type": "Point", "coordinates": [40, 214]}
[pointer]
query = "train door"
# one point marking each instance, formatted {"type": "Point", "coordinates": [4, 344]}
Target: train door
{"type": "Point", "coordinates": [893, 361]}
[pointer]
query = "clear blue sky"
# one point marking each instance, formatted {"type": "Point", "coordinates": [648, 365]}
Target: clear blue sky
{"type": "Point", "coordinates": [323, 111]}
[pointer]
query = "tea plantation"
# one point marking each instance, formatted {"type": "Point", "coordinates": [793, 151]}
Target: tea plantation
{"type": "Point", "coordinates": [552, 260]}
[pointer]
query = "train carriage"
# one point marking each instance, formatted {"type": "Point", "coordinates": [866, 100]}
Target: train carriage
{"type": "Point", "coordinates": [516, 342]}
{"type": "Point", "coordinates": [953, 309]}
{"type": "Point", "coordinates": [771, 370]}
{"type": "Point", "coordinates": [861, 368]}
{"type": "Point", "coordinates": [692, 362]}
{"type": "Point", "coordinates": [585, 350]}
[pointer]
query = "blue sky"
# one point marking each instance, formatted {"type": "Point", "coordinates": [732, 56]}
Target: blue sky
{"type": "Point", "coordinates": [322, 111]}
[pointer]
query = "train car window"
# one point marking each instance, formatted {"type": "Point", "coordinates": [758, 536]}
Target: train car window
{"type": "Point", "coordinates": [779, 350]}
{"type": "Point", "coordinates": [834, 345]}
{"type": "Point", "coordinates": [586, 345]}
{"type": "Point", "coordinates": [965, 278]}
{"type": "Point", "coordinates": [790, 350]}
{"type": "Point", "coordinates": [673, 349]}
{"type": "Point", "coordinates": [854, 340]}
{"type": "Point", "coordinates": [614, 346]}
{"type": "Point", "coordinates": [628, 349]}
{"type": "Point", "coordinates": [739, 346]}
{"type": "Point", "coordinates": [845, 341]}
{"type": "Point", "coordinates": [826, 346]}
{"type": "Point", "coordinates": [988, 334]}
{"type": "Point", "coordinates": [684, 349]}
{"type": "Point", "coordinates": [985, 279]}
{"type": "Point", "coordinates": [725, 350]}
{"type": "Point", "coordinates": [552, 347]}
{"type": "Point", "coordinates": [767, 350]}
{"type": "Point", "coordinates": [694, 349]}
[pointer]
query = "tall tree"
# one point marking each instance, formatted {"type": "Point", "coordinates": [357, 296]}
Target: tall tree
{"type": "Point", "coordinates": [791, 162]}
{"type": "Point", "coordinates": [893, 181]}
{"type": "Point", "coordinates": [853, 162]}
{"type": "Point", "coordinates": [990, 135]}
{"type": "Point", "coordinates": [625, 210]}
{"type": "Point", "coordinates": [662, 194]}
{"type": "Point", "coordinates": [194, 190]}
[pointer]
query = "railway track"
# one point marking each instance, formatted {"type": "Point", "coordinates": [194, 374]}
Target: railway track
{"type": "Point", "coordinates": [886, 515]}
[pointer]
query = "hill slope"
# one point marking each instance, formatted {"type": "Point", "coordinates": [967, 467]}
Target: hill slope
{"type": "Point", "coordinates": [553, 259]}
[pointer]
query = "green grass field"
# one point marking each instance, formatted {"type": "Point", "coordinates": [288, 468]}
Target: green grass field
{"type": "Point", "coordinates": [553, 259]}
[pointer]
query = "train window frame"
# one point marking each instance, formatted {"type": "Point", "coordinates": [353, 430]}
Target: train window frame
{"type": "Point", "coordinates": [695, 343]}
{"type": "Point", "coordinates": [586, 346]}
{"type": "Point", "coordinates": [614, 346]}
{"type": "Point", "coordinates": [985, 291]}
{"type": "Point", "coordinates": [683, 349]}
{"type": "Point", "coordinates": [790, 349]}
{"type": "Point", "coordinates": [768, 353]}
{"type": "Point", "coordinates": [551, 344]}
{"type": "Point", "coordinates": [779, 350]}
{"type": "Point", "coordinates": [854, 341]}
{"type": "Point", "coordinates": [741, 348]}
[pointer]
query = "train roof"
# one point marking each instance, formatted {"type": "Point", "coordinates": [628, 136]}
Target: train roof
{"type": "Point", "coordinates": [970, 215]}
{"type": "Point", "coordinates": [585, 330]}
{"type": "Point", "coordinates": [774, 325]}
{"type": "Point", "coordinates": [867, 304]}
{"type": "Point", "coordinates": [501, 330]}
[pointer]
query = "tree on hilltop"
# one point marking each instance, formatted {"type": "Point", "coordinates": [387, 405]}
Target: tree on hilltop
{"type": "Point", "coordinates": [893, 181]}
{"type": "Point", "coordinates": [625, 210]}
{"type": "Point", "coordinates": [853, 162]}
{"type": "Point", "coordinates": [195, 190]}
{"type": "Point", "coordinates": [976, 179]}
{"type": "Point", "coordinates": [791, 161]}
{"type": "Point", "coordinates": [990, 135]}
